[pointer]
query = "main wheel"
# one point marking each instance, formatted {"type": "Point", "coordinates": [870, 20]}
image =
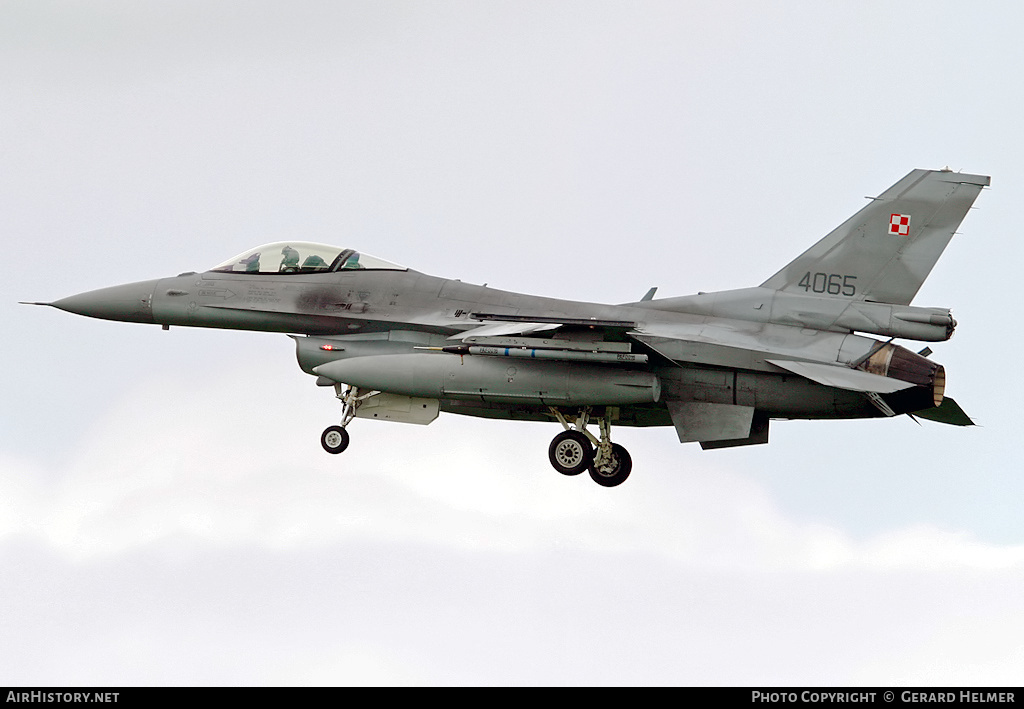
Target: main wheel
{"type": "Point", "coordinates": [570, 452]}
{"type": "Point", "coordinates": [334, 439]}
{"type": "Point", "coordinates": [615, 471]}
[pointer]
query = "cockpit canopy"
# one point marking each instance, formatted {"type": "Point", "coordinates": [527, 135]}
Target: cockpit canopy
{"type": "Point", "coordinates": [285, 257]}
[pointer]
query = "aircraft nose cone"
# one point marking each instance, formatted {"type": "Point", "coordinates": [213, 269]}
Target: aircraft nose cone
{"type": "Point", "coordinates": [132, 302]}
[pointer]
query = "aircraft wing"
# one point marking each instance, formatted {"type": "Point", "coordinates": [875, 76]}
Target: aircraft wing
{"type": "Point", "coordinates": [733, 343]}
{"type": "Point", "coordinates": [503, 329]}
{"type": "Point", "coordinates": [502, 325]}
{"type": "Point", "coordinates": [686, 337]}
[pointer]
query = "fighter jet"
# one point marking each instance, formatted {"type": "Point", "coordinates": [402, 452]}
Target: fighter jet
{"type": "Point", "coordinates": [395, 344]}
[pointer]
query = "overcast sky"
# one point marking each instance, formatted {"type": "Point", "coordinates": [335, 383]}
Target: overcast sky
{"type": "Point", "coordinates": [167, 515]}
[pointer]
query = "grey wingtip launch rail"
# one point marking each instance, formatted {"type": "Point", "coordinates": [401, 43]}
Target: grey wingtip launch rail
{"type": "Point", "coordinates": [399, 345]}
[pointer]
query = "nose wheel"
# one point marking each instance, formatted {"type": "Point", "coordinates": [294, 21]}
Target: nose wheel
{"type": "Point", "coordinates": [334, 439]}
{"type": "Point", "coordinates": [575, 449]}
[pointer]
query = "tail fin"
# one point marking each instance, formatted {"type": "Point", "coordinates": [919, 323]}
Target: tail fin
{"type": "Point", "coordinates": [884, 252]}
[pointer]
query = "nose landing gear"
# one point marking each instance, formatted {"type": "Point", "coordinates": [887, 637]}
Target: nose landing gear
{"type": "Point", "coordinates": [335, 439]}
{"type": "Point", "coordinates": [575, 449]}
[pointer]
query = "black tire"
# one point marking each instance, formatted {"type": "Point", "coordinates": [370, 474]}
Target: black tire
{"type": "Point", "coordinates": [334, 439]}
{"type": "Point", "coordinates": [619, 470]}
{"type": "Point", "coordinates": [570, 452]}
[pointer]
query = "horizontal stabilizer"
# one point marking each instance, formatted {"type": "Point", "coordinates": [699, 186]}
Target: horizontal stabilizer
{"type": "Point", "coordinates": [842, 377]}
{"type": "Point", "coordinates": [947, 412]}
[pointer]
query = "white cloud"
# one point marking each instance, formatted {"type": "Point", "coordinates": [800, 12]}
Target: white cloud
{"type": "Point", "coordinates": [201, 536]}
{"type": "Point", "coordinates": [217, 460]}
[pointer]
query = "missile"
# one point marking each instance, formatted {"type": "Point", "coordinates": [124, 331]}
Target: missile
{"type": "Point", "coordinates": [555, 354]}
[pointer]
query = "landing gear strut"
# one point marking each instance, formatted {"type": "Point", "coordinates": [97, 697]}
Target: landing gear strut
{"type": "Point", "coordinates": [575, 449]}
{"type": "Point", "coordinates": [335, 439]}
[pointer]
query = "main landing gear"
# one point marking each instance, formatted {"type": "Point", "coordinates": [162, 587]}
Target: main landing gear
{"type": "Point", "coordinates": [575, 449]}
{"type": "Point", "coordinates": [335, 439]}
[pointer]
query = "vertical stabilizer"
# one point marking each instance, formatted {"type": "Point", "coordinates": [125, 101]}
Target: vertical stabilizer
{"type": "Point", "coordinates": [884, 252]}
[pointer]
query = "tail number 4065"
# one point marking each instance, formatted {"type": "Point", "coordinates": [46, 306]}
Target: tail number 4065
{"type": "Point", "coordinates": [831, 283]}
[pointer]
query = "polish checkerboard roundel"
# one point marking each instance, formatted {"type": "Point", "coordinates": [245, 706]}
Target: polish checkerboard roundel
{"type": "Point", "coordinates": [899, 224]}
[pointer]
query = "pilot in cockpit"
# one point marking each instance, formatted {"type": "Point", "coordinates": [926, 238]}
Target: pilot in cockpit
{"type": "Point", "coordinates": [314, 262]}
{"type": "Point", "coordinates": [290, 262]}
{"type": "Point", "coordinates": [352, 261]}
